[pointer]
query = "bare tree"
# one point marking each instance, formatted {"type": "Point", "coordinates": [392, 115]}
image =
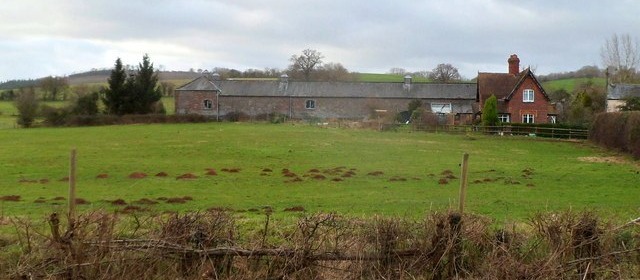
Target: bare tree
{"type": "Point", "coordinates": [397, 71]}
{"type": "Point", "coordinates": [333, 72]}
{"type": "Point", "coordinates": [305, 63]}
{"type": "Point", "coordinates": [621, 55]}
{"type": "Point", "coordinates": [52, 86]}
{"type": "Point", "coordinates": [444, 73]}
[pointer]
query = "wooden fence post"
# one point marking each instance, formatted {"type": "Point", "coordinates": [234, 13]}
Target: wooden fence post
{"type": "Point", "coordinates": [463, 181]}
{"type": "Point", "coordinates": [72, 189]}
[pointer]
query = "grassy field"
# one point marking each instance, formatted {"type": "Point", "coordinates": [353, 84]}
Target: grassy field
{"type": "Point", "coordinates": [510, 178]}
{"type": "Point", "coordinates": [570, 84]}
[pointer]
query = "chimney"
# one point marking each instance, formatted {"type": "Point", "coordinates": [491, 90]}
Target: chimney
{"type": "Point", "coordinates": [215, 79]}
{"type": "Point", "coordinates": [514, 64]}
{"type": "Point", "coordinates": [407, 83]}
{"type": "Point", "coordinates": [284, 83]}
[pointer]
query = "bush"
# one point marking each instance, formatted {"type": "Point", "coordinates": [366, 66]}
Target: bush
{"type": "Point", "coordinates": [27, 106]}
{"type": "Point", "coordinates": [619, 130]}
{"type": "Point", "coordinates": [54, 116]}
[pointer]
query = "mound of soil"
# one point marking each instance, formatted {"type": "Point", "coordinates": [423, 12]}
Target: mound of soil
{"type": "Point", "coordinates": [118, 202]}
{"type": "Point", "coordinates": [187, 198]}
{"type": "Point", "coordinates": [294, 209]}
{"type": "Point", "coordinates": [80, 201]}
{"type": "Point", "coordinates": [162, 174]}
{"type": "Point", "coordinates": [176, 200]}
{"type": "Point", "coordinates": [211, 172]}
{"type": "Point", "coordinates": [314, 170]}
{"type": "Point", "coordinates": [319, 177]}
{"type": "Point", "coordinates": [59, 198]}
{"type": "Point", "coordinates": [253, 210]}
{"type": "Point", "coordinates": [450, 176]}
{"type": "Point", "coordinates": [10, 198]}
{"type": "Point", "coordinates": [102, 176]}
{"type": "Point", "coordinates": [64, 179]}
{"type": "Point", "coordinates": [186, 176]}
{"type": "Point", "coordinates": [397, 179]}
{"type": "Point", "coordinates": [162, 198]}
{"type": "Point", "coordinates": [44, 181]}
{"type": "Point", "coordinates": [443, 181]}
{"type": "Point", "coordinates": [291, 175]}
{"type": "Point", "coordinates": [337, 180]}
{"type": "Point", "coordinates": [231, 170]}
{"type": "Point", "coordinates": [137, 175]}
{"type": "Point", "coordinates": [27, 181]}
{"type": "Point", "coordinates": [285, 170]}
{"type": "Point", "coordinates": [477, 181]}
{"type": "Point", "coordinates": [145, 201]}
{"type": "Point", "coordinates": [267, 170]}
{"type": "Point", "coordinates": [375, 173]}
{"type": "Point", "coordinates": [446, 172]}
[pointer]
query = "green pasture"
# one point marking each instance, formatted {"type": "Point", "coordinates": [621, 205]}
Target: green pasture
{"type": "Point", "coordinates": [510, 177]}
{"type": "Point", "coordinates": [570, 84]}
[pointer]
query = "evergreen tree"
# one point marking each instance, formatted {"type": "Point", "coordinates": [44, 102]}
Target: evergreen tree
{"type": "Point", "coordinates": [115, 97]}
{"type": "Point", "coordinates": [145, 88]}
{"type": "Point", "coordinates": [490, 111]}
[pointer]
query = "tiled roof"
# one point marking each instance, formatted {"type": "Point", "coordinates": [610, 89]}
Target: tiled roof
{"type": "Point", "coordinates": [504, 85]}
{"type": "Point", "coordinates": [336, 89]}
{"type": "Point", "coordinates": [620, 91]}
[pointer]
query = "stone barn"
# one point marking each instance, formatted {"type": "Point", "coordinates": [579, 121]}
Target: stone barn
{"type": "Point", "coordinates": [211, 96]}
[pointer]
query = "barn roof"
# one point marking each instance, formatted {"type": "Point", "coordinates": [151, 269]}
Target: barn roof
{"type": "Point", "coordinates": [620, 91]}
{"type": "Point", "coordinates": [336, 89]}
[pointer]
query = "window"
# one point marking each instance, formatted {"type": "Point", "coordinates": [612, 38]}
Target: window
{"type": "Point", "coordinates": [527, 95]}
{"type": "Point", "coordinates": [504, 118]}
{"type": "Point", "coordinates": [441, 108]}
{"type": "Point", "coordinates": [310, 104]}
{"type": "Point", "coordinates": [207, 104]}
{"type": "Point", "coordinates": [552, 119]}
{"type": "Point", "coordinates": [527, 118]}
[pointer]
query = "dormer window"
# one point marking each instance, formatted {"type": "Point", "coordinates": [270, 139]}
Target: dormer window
{"type": "Point", "coordinates": [527, 95]}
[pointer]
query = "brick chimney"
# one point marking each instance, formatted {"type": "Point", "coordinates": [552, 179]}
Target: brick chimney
{"type": "Point", "coordinates": [514, 64]}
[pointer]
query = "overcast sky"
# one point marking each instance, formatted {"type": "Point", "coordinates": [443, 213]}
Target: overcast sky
{"type": "Point", "coordinates": [41, 37]}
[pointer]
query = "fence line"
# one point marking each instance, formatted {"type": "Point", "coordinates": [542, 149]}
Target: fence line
{"type": "Point", "coordinates": [511, 130]}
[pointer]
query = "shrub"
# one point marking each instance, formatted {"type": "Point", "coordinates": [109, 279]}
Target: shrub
{"type": "Point", "coordinates": [619, 130]}
{"type": "Point", "coordinates": [27, 106]}
{"type": "Point", "coordinates": [490, 112]}
{"type": "Point", "coordinates": [54, 116]}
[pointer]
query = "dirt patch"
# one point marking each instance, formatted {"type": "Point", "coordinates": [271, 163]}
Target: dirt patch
{"type": "Point", "coordinates": [294, 209]}
{"type": "Point", "coordinates": [10, 198]}
{"type": "Point", "coordinates": [450, 176]}
{"type": "Point", "coordinates": [162, 174]}
{"type": "Point", "coordinates": [44, 181]}
{"type": "Point", "coordinates": [510, 181]}
{"type": "Point", "coordinates": [604, 159]}
{"type": "Point", "coordinates": [211, 172]}
{"type": "Point", "coordinates": [443, 181]}
{"type": "Point", "coordinates": [81, 201]}
{"type": "Point", "coordinates": [176, 200]}
{"type": "Point", "coordinates": [102, 176]}
{"type": "Point", "coordinates": [477, 182]}
{"type": "Point", "coordinates": [375, 173]}
{"type": "Point", "coordinates": [162, 198]}
{"type": "Point", "coordinates": [64, 179]}
{"type": "Point", "coordinates": [319, 177]}
{"type": "Point", "coordinates": [40, 200]}
{"type": "Point", "coordinates": [137, 175]}
{"type": "Point", "coordinates": [186, 176]}
{"type": "Point", "coordinates": [119, 202]}
{"type": "Point", "coordinates": [337, 179]}
{"type": "Point", "coordinates": [253, 210]}
{"type": "Point", "coordinates": [267, 170]}
{"type": "Point", "coordinates": [145, 201]}
{"type": "Point", "coordinates": [231, 170]}
{"type": "Point", "coordinates": [58, 198]}
{"type": "Point", "coordinates": [290, 174]}
{"type": "Point", "coordinates": [27, 181]}
{"type": "Point", "coordinates": [187, 198]}
{"type": "Point", "coordinates": [314, 170]}
{"type": "Point", "coordinates": [397, 179]}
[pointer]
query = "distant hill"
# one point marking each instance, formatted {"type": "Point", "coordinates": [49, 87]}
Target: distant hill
{"type": "Point", "coordinates": [570, 84]}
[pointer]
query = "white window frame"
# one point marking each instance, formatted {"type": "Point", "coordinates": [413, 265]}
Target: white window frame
{"type": "Point", "coordinates": [553, 119]}
{"type": "Point", "coordinates": [528, 95]}
{"type": "Point", "coordinates": [310, 104]}
{"type": "Point", "coordinates": [207, 104]}
{"type": "Point", "coordinates": [526, 117]}
{"type": "Point", "coordinates": [504, 118]}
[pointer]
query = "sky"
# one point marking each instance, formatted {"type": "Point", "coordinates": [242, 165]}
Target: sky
{"type": "Point", "coordinates": [39, 38]}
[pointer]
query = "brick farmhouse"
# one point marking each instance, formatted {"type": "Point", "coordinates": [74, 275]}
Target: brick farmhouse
{"type": "Point", "coordinates": [455, 103]}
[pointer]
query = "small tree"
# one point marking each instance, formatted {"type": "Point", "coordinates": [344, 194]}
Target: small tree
{"type": "Point", "coordinates": [305, 64]}
{"type": "Point", "coordinates": [490, 112]}
{"type": "Point", "coordinates": [115, 95]}
{"type": "Point", "coordinates": [145, 88]}
{"type": "Point", "coordinates": [27, 105]}
{"type": "Point", "coordinates": [86, 105]}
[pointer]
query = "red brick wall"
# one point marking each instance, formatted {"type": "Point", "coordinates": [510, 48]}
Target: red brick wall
{"type": "Point", "coordinates": [539, 108]}
{"type": "Point", "coordinates": [192, 102]}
